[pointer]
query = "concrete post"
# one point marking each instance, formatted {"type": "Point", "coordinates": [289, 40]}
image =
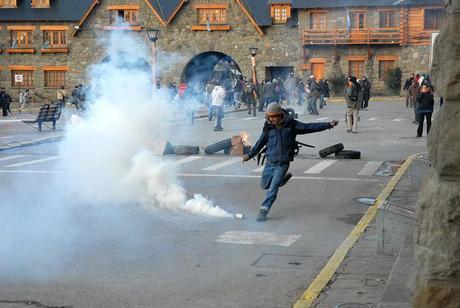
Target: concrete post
{"type": "Point", "coordinates": [437, 249]}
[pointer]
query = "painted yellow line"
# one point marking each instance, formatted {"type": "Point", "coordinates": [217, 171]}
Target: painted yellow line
{"type": "Point", "coordinates": [322, 279]}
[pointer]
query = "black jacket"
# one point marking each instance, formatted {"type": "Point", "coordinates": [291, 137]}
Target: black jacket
{"type": "Point", "coordinates": [280, 139]}
{"type": "Point", "coordinates": [408, 83]}
{"type": "Point", "coordinates": [425, 102]}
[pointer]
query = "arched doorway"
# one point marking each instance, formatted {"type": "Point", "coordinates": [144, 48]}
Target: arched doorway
{"type": "Point", "coordinates": [210, 65]}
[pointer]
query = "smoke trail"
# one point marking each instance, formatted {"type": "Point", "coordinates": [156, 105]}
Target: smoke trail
{"type": "Point", "coordinates": [108, 155]}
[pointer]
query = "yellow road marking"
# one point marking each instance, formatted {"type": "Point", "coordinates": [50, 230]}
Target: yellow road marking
{"type": "Point", "coordinates": [321, 280]}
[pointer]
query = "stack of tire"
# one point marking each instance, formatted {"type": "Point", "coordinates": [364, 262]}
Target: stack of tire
{"type": "Point", "coordinates": [340, 153]}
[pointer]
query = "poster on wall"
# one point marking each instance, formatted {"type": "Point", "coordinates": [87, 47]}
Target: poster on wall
{"type": "Point", "coordinates": [433, 39]}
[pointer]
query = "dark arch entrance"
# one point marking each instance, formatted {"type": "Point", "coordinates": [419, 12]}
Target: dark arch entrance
{"type": "Point", "coordinates": [209, 65]}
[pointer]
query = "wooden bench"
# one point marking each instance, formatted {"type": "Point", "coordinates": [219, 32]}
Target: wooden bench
{"type": "Point", "coordinates": [47, 113]}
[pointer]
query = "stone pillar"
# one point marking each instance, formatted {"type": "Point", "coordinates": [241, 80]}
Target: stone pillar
{"type": "Point", "coordinates": [437, 249]}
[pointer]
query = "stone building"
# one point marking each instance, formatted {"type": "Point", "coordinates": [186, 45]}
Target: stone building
{"type": "Point", "coordinates": [48, 43]}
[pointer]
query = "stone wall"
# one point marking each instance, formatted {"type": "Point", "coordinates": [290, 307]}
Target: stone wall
{"type": "Point", "coordinates": [437, 249]}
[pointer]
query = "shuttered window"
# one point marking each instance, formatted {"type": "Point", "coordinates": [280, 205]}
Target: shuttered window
{"type": "Point", "coordinates": [8, 4]}
{"type": "Point", "coordinates": [213, 16]}
{"type": "Point", "coordinates": [54, 79]}
{"type": "Point", "coordinates": [21, 39]}
{"type": "Point", "coordinates": [55, 38]}
{"type": "Point", "coordinates": [280, 13]}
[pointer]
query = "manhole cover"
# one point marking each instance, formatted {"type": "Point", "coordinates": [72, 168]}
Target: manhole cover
{"type": "Point", "coordinates": [366, 200]}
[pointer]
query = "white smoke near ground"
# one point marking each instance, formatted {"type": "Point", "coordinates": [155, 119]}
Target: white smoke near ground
{"type": "Point", "coordinates": [108, 153]}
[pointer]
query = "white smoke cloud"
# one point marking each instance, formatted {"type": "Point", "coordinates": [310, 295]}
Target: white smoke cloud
{"type": "Point", "coordinates": [107, 154]}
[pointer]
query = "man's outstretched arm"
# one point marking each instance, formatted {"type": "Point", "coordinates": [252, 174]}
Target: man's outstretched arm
{"type": "Point", "coordinates": [307, 128]}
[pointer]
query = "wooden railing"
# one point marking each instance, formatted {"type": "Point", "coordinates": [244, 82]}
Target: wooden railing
{"type": "Point", "coordinates": [367, 36]}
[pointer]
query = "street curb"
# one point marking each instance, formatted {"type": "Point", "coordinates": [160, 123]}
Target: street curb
{"type": "Point", "coordinates": [322, 279]}
{"type": "Point", "coordinates": [20, 144]}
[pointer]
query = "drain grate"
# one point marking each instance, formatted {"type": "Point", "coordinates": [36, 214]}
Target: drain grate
{"type": "Point", "coordinates": [388, 168]}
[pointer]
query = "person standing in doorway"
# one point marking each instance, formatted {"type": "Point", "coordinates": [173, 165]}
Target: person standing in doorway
{"type": "Point", "coordinates": [217, 100]}
{"type": "Point", "coordinates": [279, 136]}
{"type": "Point", "coordinates": [425, 105]}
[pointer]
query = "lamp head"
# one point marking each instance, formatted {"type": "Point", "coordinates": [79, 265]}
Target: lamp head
{"type": "Point", "coordinates": [253, 51]}
{"type": "Point", "coordinates": [153, 34]}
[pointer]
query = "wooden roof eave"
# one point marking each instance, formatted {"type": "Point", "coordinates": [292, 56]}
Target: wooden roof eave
{"type": "Point", "coordinates": [251, 19]}
{"type": "Point", "coordinates": [175, 12]}
{"type": "Point", "coordinates": [85, 16]}
{"type": "Point", "coordinates": [160, 19]}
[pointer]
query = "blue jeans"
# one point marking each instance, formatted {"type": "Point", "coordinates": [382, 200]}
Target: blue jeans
{"type": "Point", "coordinates": [219, 112]}
{"type": "Point", "coordinates": [312, 105]}
{"type": "Point", "coordinates": [272, 177]}
{"type": "Point", "coordinates": [321, 101]}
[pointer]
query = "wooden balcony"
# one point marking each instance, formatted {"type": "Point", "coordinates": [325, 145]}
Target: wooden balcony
{"type": "Point", "coordinates": [367, 36]}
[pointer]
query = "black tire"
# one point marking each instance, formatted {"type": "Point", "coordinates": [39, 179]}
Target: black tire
{"type": "Point", "coordinates": [331, 150]}
{"type": "Point", "coordinates": [218, 146]}
{"type": "Point", "coordinates": [348, 154]}
{"type": "Point", "coordinates": [186, 150]}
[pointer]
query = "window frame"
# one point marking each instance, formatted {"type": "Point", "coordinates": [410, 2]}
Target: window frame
{"type": "Point", "coordinates": [30, 73]}
{"type": "Point", "coordinates": [200, 11]}
{"type": "Point", "coordinates": [12, 4]}
{"type": "Point", "coordinates": [357, 11]}
{"type": "Point", "coordinates": [395, 18]}
{"type": "Point", "coordinates": [29, 37]}
{"type": "Point", "coordinates": [437, 24]}
{"type": "Point", "coordinates": [130, 14]}
{"type": "Point", "coordinates": [56, 72]}
{"type": "Point", "coordinates": [41, 4]}
{"type": "Point", "coordinates": [280, 13]}
{"type": "Point", "coordinates": [318, 13]}
{"type": "Point", "coordinates": [62, 38]}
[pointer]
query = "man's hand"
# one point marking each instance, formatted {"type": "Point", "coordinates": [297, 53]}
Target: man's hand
{"type": "Point", "coordinates": [334, 123]}
{"type": "Point", "coordinates": [246, 158]}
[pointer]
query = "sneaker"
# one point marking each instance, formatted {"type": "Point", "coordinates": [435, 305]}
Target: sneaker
{"type": "Point", "coordinates": [262, 215]}
{"type": "Point", "coordinates": [218, 129]}
{"type": "Point", "coordinates": [348, 130]}
{"type": "Point", "coordinates": [354, 131]}
{"type": "Point", "coordinates": [286, 178]}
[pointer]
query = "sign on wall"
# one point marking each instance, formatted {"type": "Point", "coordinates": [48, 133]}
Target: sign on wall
{"type": "Point", "coordinates": [18, 78]}
{"type": "Point", "coordinates": [433, 39]}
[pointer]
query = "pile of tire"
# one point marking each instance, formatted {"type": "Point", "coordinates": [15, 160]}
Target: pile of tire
{"type": "Point", "coordinates": [340, 153]}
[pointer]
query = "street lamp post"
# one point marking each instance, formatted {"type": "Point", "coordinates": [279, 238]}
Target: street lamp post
{"type": "Point", "coordinates": [253, 51]}
{"type": "Point", "coordinates": [153, 35]}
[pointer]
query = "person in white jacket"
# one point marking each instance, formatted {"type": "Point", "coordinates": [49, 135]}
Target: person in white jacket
{"type": "Point", "coordinates": [217, 101]}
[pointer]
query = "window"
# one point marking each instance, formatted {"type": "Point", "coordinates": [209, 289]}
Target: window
{"type": "Point", "coordinates": [357, 20]}
{"type": "Point", "coordinates": [54, 79]}
{"type": "Point", "coordinates": [280, 13]}
{"type": "Point", "coordinates": [27, 78]}
{"type": "Point", "coordinates": [124, 16]}
{"type": "Point", "coordinates": [213, 16]}
{"type": "Point", "coordinates": [21, 39]}
{"type": "Point", "coordinates": [434, 19]}
{"type": "Point", "coordinates": [356, 68]}
{"type": "Point", "coordinates": [317, 20]}
{"type": "Point", "coordinates": [55, 39]}
{"type": "Point", "coordinates": [388, 19]}
{"type": "Point", "coordinates": [40, 4]}
{"type": "Point", "coordinates": [384, 67]}
{"type": "Point", "coordinates": [8, 4]}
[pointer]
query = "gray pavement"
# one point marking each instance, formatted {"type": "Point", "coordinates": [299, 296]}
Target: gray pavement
{"type": "Point", "coordinates": [60, 252]}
